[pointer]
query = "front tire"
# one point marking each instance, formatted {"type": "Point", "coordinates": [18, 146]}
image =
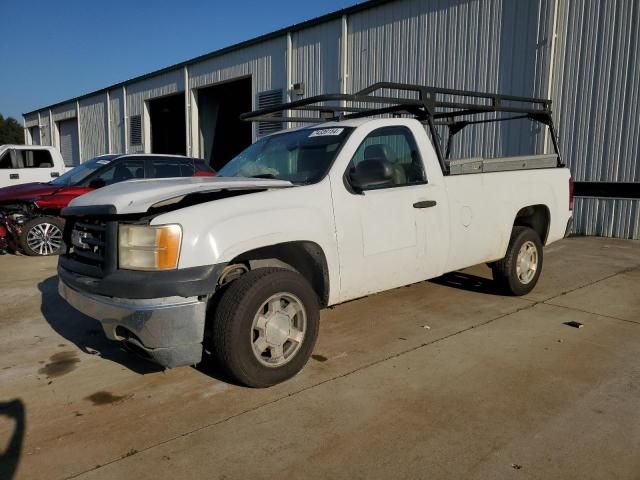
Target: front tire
{"type": "Point", "coordinates": [518, 272]}
{"type": "Point", "coordinates": [265, 326]}
{"type": "Point", "coordinates": [42, 236]}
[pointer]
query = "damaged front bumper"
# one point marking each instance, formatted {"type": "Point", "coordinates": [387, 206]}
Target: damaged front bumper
{"type": "Point", "coordinates": [167, 330]}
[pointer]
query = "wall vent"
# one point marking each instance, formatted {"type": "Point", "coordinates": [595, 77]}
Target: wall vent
{"type": "Point", "coordinates": [271, 98]}
{"type": "Point", "coordinates": [135, 130]}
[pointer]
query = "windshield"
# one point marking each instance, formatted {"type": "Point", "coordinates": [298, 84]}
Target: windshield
{"type": "Point", "coordinates": [301, 156]}
{"type": "Point", "coordinates": [77, 174]}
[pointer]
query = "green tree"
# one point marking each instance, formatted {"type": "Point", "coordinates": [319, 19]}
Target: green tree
{"type": "Point", "coordinates": [10, 131]}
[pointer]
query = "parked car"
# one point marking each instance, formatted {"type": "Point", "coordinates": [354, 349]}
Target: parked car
{"type": "Point", "coordinates": [239, 265]}
{"type": "Point", "coordinates": [29, 163]}
{"type": "Point", "coordinates": [30, 213]}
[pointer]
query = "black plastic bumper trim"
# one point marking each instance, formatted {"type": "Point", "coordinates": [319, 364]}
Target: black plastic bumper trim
{"type": "Point", "coordinates": [183, 282]}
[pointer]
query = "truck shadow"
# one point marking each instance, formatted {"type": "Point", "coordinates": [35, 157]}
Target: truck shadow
{"type": "Point", "coordinates": [85, 332]}
{"type": "Point", "coordinates": [10, 457]}
{"type": "Point", "coordinates": [469, 282]}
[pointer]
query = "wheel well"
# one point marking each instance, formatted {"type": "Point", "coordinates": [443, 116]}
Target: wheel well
{"type": "Point", "coordinates": [536, 217]}
{"type": "Point", "coordinates": [306, 258]}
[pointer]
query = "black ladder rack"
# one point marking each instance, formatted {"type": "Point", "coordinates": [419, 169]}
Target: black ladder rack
{"type": "Point", "coordinates": [430, 105]}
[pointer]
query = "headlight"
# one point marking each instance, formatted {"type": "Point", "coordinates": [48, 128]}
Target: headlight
{"type": "Point", "coordinates": [145, 247]}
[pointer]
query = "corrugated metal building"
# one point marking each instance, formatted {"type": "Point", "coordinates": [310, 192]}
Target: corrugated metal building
{"type": "Point", "coordinates": [583, 54]}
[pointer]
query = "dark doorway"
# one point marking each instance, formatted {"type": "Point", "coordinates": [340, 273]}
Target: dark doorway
{"type": "Point", "coordinates": [168, 126]}
{"type": "Point", "coordinates": [222, 134]}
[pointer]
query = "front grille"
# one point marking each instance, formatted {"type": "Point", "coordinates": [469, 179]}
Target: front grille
{"type": "Point", "coordinates": [91, 245]}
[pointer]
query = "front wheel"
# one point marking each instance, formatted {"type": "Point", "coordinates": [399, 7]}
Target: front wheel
{"type": "Point", "coordinates": [265, 326]}
{"type": "Point", "coordinates": [518, 272]}
{"type": "Point", "coordinates": [42, 236]}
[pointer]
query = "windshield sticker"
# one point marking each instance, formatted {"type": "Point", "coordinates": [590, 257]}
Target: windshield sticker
{"type": "Point", "coordinates": [104, 162]}
{"type": "Point", "coordinates": [326, 132]}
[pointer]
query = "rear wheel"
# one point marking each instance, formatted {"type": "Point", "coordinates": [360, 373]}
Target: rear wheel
{"type": "Point", "coordinates": [518, 272]}
{"type": "Point", "coordinates": [42, 236]}
{"type": "Point", "coordinates": [265, 326]}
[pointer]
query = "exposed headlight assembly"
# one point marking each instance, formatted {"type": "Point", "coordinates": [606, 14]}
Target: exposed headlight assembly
{"type": "Point", "coordinates": [146, 247]}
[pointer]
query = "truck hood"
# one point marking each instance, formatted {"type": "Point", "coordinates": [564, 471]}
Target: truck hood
{"type": "Point", "coordinates": [27, 190]}
{"type": "Point", "coordinates": [138, 196]}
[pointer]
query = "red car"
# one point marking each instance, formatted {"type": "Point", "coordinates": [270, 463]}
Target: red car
{"type": "Point", "coordinates": [29, 213]}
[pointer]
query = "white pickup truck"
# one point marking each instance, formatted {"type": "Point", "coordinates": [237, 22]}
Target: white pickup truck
{"type": "Point", "coordinates": [29, 163]}
{"type": "Point", "coordinates": [238, 266]}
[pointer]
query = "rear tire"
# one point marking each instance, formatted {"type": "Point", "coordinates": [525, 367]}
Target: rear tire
{"type": "Point", "coordinates": [265, 326]}
{"type": "Point", "coordinates": [42, 236]}
{"type": "Point", "coordinates": [518, 272]}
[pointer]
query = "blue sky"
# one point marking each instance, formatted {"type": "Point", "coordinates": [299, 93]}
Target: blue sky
{"type": "Point", "coordinates": [52, 51]}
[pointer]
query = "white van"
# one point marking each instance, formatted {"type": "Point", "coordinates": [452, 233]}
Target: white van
{"type": "Point", "coordinates": [29, 163]}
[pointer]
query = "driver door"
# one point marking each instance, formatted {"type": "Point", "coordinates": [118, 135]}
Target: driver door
{"type": "Point", "coordinates": [381, 234]}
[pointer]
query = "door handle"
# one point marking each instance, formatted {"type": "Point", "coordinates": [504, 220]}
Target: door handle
{"type": "Point", "coordinates": [425, 204]}
{"type": "Point", "coordinates": [14, 176]}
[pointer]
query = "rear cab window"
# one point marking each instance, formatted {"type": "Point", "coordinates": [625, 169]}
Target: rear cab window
{"type": "Point", "coordinates": [19, 158]}
{"type": "Point", "coordinates": [33, 159]}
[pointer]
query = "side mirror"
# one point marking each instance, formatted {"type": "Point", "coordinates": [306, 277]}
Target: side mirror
{"type": "Point", "coordinates": [97, 183]}
{"type": "Point", "coordinates": [371, 173]}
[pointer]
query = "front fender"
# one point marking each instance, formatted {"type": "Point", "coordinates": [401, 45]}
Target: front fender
{"type": "Point", "coordinates": [218, 231]}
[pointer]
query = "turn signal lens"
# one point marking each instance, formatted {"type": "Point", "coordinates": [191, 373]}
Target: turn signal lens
{"type": "Point", "coordinates": [146, 247]}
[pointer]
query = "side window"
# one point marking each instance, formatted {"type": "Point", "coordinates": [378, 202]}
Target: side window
{"type": "Point", "coordinates": [121, 171]}
{"type": "Point", "coordinates": [34, 159]}
{"type": "Point", "coordinates": [5, 160]}
{"type": "Point", "coordinates": [168, 168]}
{"type": "Point", "coordinates": [396, 147]}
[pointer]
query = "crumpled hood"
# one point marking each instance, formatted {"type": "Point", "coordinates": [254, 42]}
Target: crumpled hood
{"type": "Point", "coordinates": [27, 190]}
{"type": "Point", "coordinates": [137, 196]}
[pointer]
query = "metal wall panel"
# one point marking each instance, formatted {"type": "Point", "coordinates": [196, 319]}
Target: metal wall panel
{"type": "Point", "coordinates": [31, 120]}
{"type": "Point", "coordinates": [64, 112]}
{"type": "Point", "coordinates": [34, 135]}
{"type": "Point", "coordinates": [596, 89]}
{"type": "Point", "coordinates": [31, 128]}
{"type": "Point", "coordinates": [45, 128]}
{"type": "Point", "coordinates": [607, 217]}
{"type": "Point", "coordinates": [315, 58]}
{"type": "Point", "coordinates": [488, 45]}
{"type": "Point", "coordinates": [92, 127]}
{"type": "Point", "coordinates": [265, 63]}
{"type": "Point", "coordinates": [116, 111]}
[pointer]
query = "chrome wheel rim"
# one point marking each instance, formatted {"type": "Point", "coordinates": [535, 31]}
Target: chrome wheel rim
{"type": "Point", "coordinates": [278, 330]}
{"type": "Point", "coordinates": [527, 262]}
{"type": "Point", "coordinates": [44, 238]}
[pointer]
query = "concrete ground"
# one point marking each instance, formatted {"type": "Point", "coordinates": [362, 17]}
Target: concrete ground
{"type": "Point", "coordinates": [442, 379]}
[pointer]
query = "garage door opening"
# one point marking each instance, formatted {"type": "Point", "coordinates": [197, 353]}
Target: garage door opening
{"type": "Point", "coordinates": [68, 141]}
{"type": "Point", "coordinates": [222, 134]}
{"type": "Point", "coordinates": [168, 125]}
